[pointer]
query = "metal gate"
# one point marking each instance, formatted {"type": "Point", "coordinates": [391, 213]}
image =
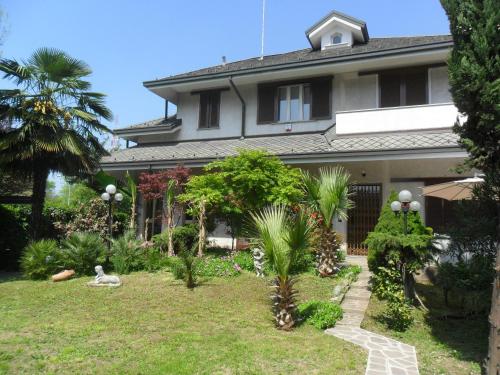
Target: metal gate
{"type": "Point", "coordinates": [363, 217]}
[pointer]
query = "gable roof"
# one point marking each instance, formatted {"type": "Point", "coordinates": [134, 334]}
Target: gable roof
{"type": "Point", "coordinates": [335, 14]}
{"type": "Point", "coordinates": [375, 47]}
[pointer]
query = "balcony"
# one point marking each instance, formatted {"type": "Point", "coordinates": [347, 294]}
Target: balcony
{"type": "Point", "coordinates": [395, 119]}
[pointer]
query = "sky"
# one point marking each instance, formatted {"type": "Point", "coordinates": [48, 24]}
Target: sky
{"type": "Point", "coordinates": [126, 42]}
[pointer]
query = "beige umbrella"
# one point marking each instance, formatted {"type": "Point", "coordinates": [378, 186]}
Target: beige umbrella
{"type": "Point", "coordinates": [453, 190]}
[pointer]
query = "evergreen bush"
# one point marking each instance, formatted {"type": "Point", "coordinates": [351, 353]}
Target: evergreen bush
{"type": "Point", "coordinates": [41, 259]}
{"type": "Point", "coordinates": [127, 255]}
{"type": "Point", "coordinates": [320, 314]}
{"type": "Point", "coordinates": [82, 252]}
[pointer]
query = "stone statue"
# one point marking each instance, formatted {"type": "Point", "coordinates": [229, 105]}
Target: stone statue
{"type": "Point", "coordinates": [258, 261]}
{"type": "Point", "coordinates": [102, 279]}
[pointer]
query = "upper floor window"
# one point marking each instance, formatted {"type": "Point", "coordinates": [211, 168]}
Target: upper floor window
{"type": "Point", "coordinates": [209, 109]}
{"type": "Point", "coordinates": [403, 87]}
{"type": "Point", "coordinates": [336, 38]}
{"type": "Point", "coordinates": [300, 100]}
{"type": "Point", "coordinates": [294, 103]}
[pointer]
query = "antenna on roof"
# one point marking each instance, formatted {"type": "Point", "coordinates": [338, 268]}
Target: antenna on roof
{"type": "Point", "coordinates": [263, 30]}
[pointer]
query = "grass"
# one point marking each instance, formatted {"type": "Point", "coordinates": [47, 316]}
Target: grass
{"type": "Point", "coordinates": [154, 325]}
{"type": "Point", "coordinates": [444, 346]}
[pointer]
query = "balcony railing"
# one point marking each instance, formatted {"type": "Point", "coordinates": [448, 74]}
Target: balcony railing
{"type": "Point", "coordinates": [394, 119]}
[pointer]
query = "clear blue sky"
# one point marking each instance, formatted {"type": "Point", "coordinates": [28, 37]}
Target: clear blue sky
{"type": "Point", "coordinates": [126, 42]}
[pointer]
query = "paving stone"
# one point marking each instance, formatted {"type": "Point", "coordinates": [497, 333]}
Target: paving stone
{"type": "Point", "coordinates": [386, 356]}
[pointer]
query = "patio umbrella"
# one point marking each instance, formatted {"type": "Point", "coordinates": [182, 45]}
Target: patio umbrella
{"type": "Point", "coordinates": [453, 190]}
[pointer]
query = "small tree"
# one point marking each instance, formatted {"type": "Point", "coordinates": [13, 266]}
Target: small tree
{"type": "Point", "coordinates": [250, 181]}
{"type": "Point", "coordinates": [328, 197]}
{"type": "Point", "coordinates": [388, 245]}
{"type": "Point", "coordinates": [283, 238]}
{"type": "Point", "coordinates": [203, 193]}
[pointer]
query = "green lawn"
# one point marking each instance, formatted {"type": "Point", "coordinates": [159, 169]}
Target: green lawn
{"type": "Point", "coordinates": [444, 346]}
{"type": "Point", "coordinates": [154, 325]}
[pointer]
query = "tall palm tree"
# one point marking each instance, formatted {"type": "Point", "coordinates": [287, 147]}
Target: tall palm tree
{"type": "Point", "coordinates": [283, 237]}
{"type": "Point", "coordinates": [54, 116]}
{"type": "Point", "coordinates": [328, 196]}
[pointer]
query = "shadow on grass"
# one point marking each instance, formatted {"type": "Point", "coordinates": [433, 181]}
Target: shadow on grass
{"type": "Point", "coordinates": [467, 337]}
{"type": "Point", "coordinates": [10, 276]}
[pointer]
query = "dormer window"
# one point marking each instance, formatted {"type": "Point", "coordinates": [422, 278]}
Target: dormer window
{"type": "Point", "coordinates": [336, 38]}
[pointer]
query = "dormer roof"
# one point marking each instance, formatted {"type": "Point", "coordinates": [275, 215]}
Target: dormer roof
{"type": "Point", "coordinates": [337, 21]}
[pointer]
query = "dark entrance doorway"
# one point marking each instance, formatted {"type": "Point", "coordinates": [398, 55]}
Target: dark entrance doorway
{"type": "Point", "coordinates": [363, 217]}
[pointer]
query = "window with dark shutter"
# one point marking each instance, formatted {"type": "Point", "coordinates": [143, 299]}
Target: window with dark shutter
{"type": "Point", "coordinates": [297, 100]}
{"type": "Point", "coordinates": [266, 106]}
{"type": "Point", "coordinates": [403, 87]}
{"type": "Point", "coordinates": [321, 94]}
{"type": "Point", "coordinates": [209, 109]}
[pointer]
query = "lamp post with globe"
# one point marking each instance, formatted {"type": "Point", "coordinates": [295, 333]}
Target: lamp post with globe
{"type": "Point", "coordinates": [405, 204]}
{"type": "Point", "coordinates": [110, 196]}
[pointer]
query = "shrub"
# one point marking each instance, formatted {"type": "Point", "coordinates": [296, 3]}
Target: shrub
{"type": "Point", "coordinates": [349, 272]}
{"type": "Point", "coordinates": [388, 240]}
{"type": "Point", "coordinates": [153, 259]}
{"type": "Point", "coordinates": [320, 314]}
{"type": "Point", "coordinates": [176, 267]}
{"type": "Point", "coordinates": [244, 259]}
{"type": "Point", "coordinates": [387, 286]}
{"type": "Point", "coordinates": [127, 253]}
{"type": "Point", "coordinates": [185, 235]}
{"type": "Point", "coordinates": [303, 263]}
{"type": "Point", "coordinates": [41, 259]}
{"type": "Point", "coordinates": [82, 252]}
{"type": "Point", "coordinates": [189, 263]}
{"type": "Point", "coordinates": [14, 238]}
{"type": "Point", "coordinates": [217, 267]}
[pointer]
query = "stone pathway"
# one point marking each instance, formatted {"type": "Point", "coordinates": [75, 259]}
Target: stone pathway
{"type": "Point", "coordinates": [385, 356]}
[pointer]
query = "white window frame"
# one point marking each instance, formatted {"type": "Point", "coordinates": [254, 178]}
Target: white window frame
{"type": "Point", "coordinates": [333, 36]}
{"type": "Point", "coordinates": [288, 103]}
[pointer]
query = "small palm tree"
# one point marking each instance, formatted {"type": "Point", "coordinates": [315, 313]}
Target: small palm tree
{"type": "Point", "coordinates": [53, 116]}
{"type": "Point", "coordinates": [328, 196]}
{"type": "Point", "coordinates": [283, 237]}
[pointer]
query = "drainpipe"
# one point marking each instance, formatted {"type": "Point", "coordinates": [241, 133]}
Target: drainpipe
{"type": "Point", "coordinates": [166, 109]}
{"type": "Point", "coordinates": [243, 106]}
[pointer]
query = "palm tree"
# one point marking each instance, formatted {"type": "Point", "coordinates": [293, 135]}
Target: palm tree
{"type": "Point", "coordinates": [328, 196]}
{"type": "Point", "coordinates": [54, 117]}
{"type": "Point", "coordinates": [283, 237]}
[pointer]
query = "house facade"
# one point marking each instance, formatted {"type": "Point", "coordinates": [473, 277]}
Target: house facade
{"type": "Point", "coordinates": [380, 107]}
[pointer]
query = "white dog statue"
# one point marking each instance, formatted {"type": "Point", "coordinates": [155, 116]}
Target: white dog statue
{"type": "Point", "coordinates": [102, 279]}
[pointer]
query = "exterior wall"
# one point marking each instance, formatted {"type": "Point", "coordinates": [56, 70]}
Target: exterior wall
{"type": "Point", "coordinates": [336, 28]}
{"type": "Point", "coordinates": [354, 110]}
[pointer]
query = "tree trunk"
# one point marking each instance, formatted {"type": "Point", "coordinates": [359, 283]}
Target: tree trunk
{"type": "Point", "coordinates": [327, 257]}
{"type": "Point", "coordinates": [40, 176]}
{"type": "Point", "coordinates": [493, 360]}
{"type": "Point", "coordinates": [132, 213]}
{"type": "Point", "coordinates": [202, 235]}
{"type": "Point", "coordinates": [153, 217]}
{"type": "Point", "coordinates": [170, 230]}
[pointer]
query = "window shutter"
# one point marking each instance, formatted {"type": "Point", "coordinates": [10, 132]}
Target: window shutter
{"type": "Point", "coordinates": [266, 106]}
{"type": "Point", "coordinates": [321, 91]}
{"type": "Point", "coordinates": [214, 109]}
{"type": "Point", "coordinates": [203, 121]}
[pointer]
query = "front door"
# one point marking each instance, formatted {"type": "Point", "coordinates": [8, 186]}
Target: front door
{"type": "Point", "coordinates": [363, 217]}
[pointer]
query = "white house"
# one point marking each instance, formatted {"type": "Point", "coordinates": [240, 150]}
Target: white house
{"type": "Point", "coordinates": [381, 107]}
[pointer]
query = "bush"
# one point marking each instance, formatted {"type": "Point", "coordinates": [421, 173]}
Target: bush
{"type": "Point", "coordinates": [217, 267]}
{"type": "Point", "coordinates": [470, 281]}
{"type": "Point", "coordinates": [320, 314]}
{"type": "Point", "coordinates": [153, 259]}
{"type": "Point", "coordinates": [305, 262]}
{"type": "Point", "coordinates": [82, 252]}
{"type": "Point", "coordinates": [14, 238]}
{"type": "Point", "coordinates": [176, 267]}
{"type": "Point", "coordinates": [387, 286]}
{"type": "Point", "coordinates": [127, 254]}
{"type": "Point", "coordinates": [388, 240]}
{"type": "Point", "coordinates": [349, 272]}
{"type": "Point", "coordinates": [41, 259]}
{"type": "Point", "coordinates": [183, 237]}
{"type": "Point", "coordinates": [244, 259]}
